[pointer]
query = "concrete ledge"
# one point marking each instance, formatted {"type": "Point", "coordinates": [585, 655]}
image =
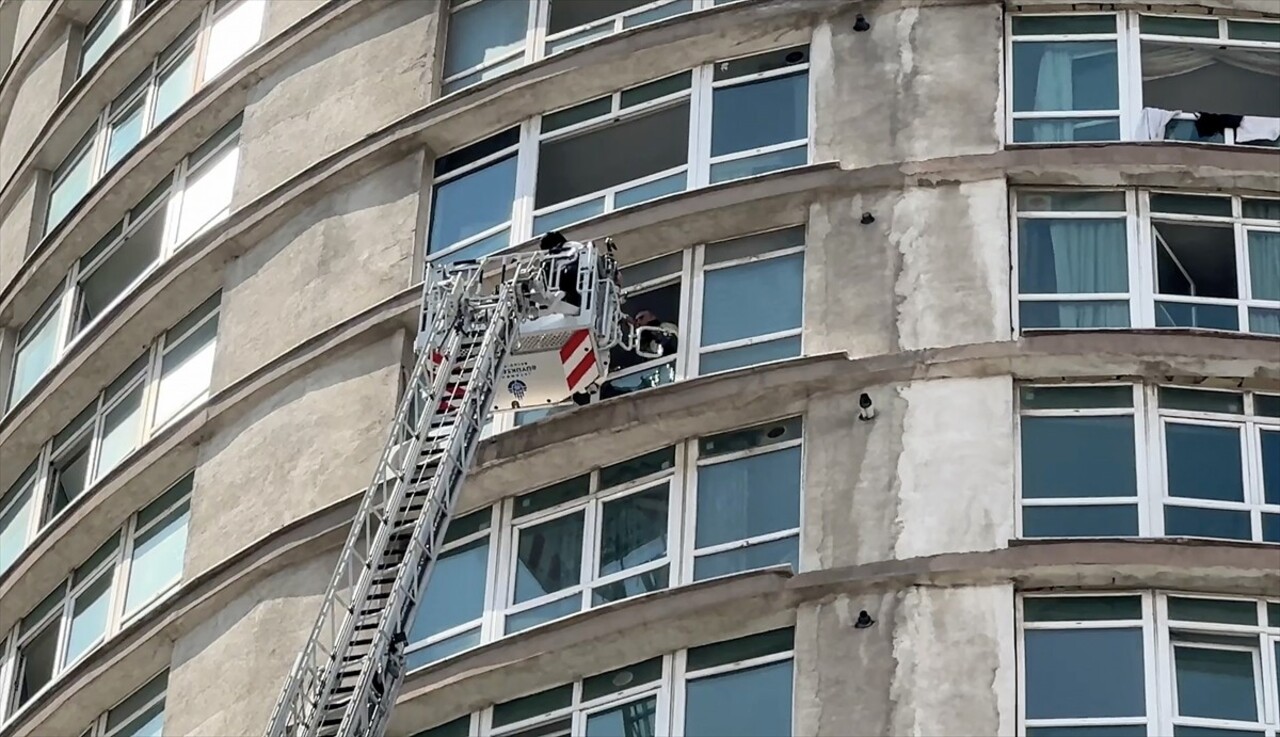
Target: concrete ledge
{"type": "Point", "coordinates": [202, 115]}
{"type": "Point", "coordinates": [1243, 8]}
{"type": "Point", "coordinates": [56, 15]}
{"type": "Point", "coordinates": [599, 639]}
{"type": "Point", "coordinates": [142, 41]}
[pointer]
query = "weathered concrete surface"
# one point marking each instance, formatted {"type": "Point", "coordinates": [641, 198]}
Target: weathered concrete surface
{"type": "Point", "coordinates": [35, 99]}
{"type": "Point", "coordinates": [29, 14]}
{"type": "Point", "coordinates": [938, 661]}
{"type": "Point", "coordinates": [347, 252]}
{"type": "Point", "coordinates": [17, 231]}
{"type": "Point", "coordinates": [922, 82]}
{"type": "Point", "coordinates": [931, 271]}
{"type": "Point", "coordinates": [912, 482]}
{"type": "Point", "coordinates": [334, 94]}
{"type": "Point", "coordinates": [226, 671]}
{"type": "Point", "coordinates": [302, 447]}
{"type": "Point", "coordinates": [283, 13]}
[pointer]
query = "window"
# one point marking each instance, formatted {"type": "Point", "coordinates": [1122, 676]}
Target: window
{"type": "Point", "coordinates": [139, 715]}
{"type": "Point", "coordinates": [1148, 664]}
{"type": "Point", "coordinates": [746, 511]}
{"type": "Point", "coordinates": [623, 149]}
{"type": "Point", "coordinates": [1129, 76]}
{"type": "Point", "coordinates": [127, 574]}
{"type": "Point", "coordinates": [590, 541]}
{"type": "Point", "coordinates": [1126, 460]}
{"type": "Point", "coordinates": [102, 31]}
{"type": "Point", "coordinates": [224, 32]}
{"type": "Point", "coordinates": [709, 327]}
{"type": "Point", "coordinates": [184, 204]}
{"type": "Point", "coordinates": [487, 38]}
{"type": "Point", "coordinates": [169, 379]}
{"type": "Point", "coordinates": [618, 532]}
{"type": "Point", "coordinates": [735, 687]}
{"type": "Point", "coordinates": [1118, 259]}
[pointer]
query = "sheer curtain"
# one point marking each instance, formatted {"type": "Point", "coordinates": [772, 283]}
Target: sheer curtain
{"type": "Point", "coordinates": [1079, 257]}
{"type": "Point", "coordinates": [1055, 90]}
{"type": "Point", "coordinates": [1264, 278]}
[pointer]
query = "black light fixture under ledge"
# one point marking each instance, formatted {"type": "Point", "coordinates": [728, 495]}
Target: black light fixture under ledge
{"type": "Point", "coordinates": [865, 410]}
{"type": "Point", "coordinates": [868, 218]}
{"type": "Point", "coordinates": [860, 23]}
{"type": "Point", "coordinates": [864, 620]}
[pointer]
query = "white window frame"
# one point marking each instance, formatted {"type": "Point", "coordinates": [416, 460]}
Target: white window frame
{"type": "Point", "coordinates": [683, 676]}
{"type": "Point", "coordinates": [590, 506]}
{"type": "Point", "coordinates": [98, 727]}
{"type": "Point", "coordinates": [1159, 664]}
{"type": "Point", "coordinates": [1128, 38]}
{"type": "Point", "coordinates": [697, 167]}
{"type": "Point", "coordinates": [1143, 293]}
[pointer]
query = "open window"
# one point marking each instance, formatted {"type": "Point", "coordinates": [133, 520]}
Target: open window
{"type": "Point", "coordinates": [653, 291]}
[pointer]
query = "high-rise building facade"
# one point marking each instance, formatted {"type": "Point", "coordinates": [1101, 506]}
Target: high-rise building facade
{"type": "Point", "coordinates": [972, 425]}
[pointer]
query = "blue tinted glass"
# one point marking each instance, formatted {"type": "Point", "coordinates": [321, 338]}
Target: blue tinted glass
{"type": "Point", "coordinates": [472, 203]}
{"type": "Point", "coordinates": [1111, 520]}
{"type": "Point", "coordinates": [747, 703]}
{"type": "Point", "coordinates": [1113, 730]}
{"type": "Point", "coordinates": [543, 613]}
{"type": "Point", "coordinates": [1084, 673]}
{"type": "Point", "coordinates": [484, 33]}
{"type": "Point", "coordinates": [641, 583]}
{"type": "Point", "coordinates": [443, 649]}
{"type": "Point", "coordinates": [649, 190]}
{"type": "Point", "coordinates": [760, 555]}
{"type": "Point", "coordinates": [1072, 256]}
{"type": "Point", "coordinates": [751, 166]}
{"type": "Point", "coordinates": [1271, 466]}
{"type": "Point", "coordinates": [1209, 317]}
{"type": "Point", "coordinates": [480, 248]}
{"type": "Point", "coordinates": [1065, 75]}
{"type": "Point", "coordinates": [629, 720]}
{"type": "Point", "coordinates": [752, 299]}
{"type": "Point", "coordinates": [1066, 130]}
{"type": "Point", "coordinates": [748, 497]}
{"type": "Point", "coordinates": [455, 592]}
{"type": "Point", "coordinates": [758, 114]}
{"type": "Point", "coordinates": [1078, 457]}
{"type": "Point", "coordinates": [633, 530]}
{"type": "Point", "coordinates": [1180, 730]}
{"type": "Point", "coordinates": [1216, 684]}
{"type": "Point", "coordinates": [748, 355]}
{"type": "Point", "coordinates": [1198, 522]}
{"type": "Point", "coordinates": [549, 557]}
{"type": "Point", "coordinates": [1271, 530]}
{"type": "Point", "coordinates": [557, 219]}
{"type": "Point", "coordinates": [1204, 462]}
{"type": "Point", "coordinates": [1090, 314]}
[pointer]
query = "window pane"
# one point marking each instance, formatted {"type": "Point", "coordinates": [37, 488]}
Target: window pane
{"type": "Point", "coordinates": [484, 33]}
{"type": "Point", "coordinates": [1270, 440]}
{"type": "Point", "coordinates": [1180, 730]}
{"type": "Point", "coordinates": [143, 711]}
{"type": "Point", "coordinates": [1212, 610]}
{"type": "Point", "coordinates": [1216, 684]}
{"type": "Point", "coordinates": [1208, 317]}
{"type": "Point", "coordinates": [125, 133]}
{"type": "Point", "coordinates": [185, 371]}
{"type": "Point", "coordinates": [1264, 264]}
{"type": "Point", "coordinates": [1165, 26]}
{"type": "Point", "coordinates": [641, 583]}
{"type": "Point", "coordinates": [121, 431]}
{"type": "Point", "coordinates": [752, 299]}
{"type": "Point", "coordinates": [71, 472]}
{"type": "Point", "coordinates": [757, 114]}
{"type": "Point", "coordinates": [1064, 457]}
{"type": "Point", "coordinates": [759, 555]}
{"type": "Point", "coordinates": [635, 719]}
{"type": "Point", "coordinates": [749, 355]}
{"type": "Point", "coordinates": [1201, 401]}
{"type": "Point", "coordinates": [102, 32]}
{"type": "Point", "coordinates": [543, 613]}
{"type": "Point", "coordinates": [232, 35]}
{"type": "Point", "coordinates": [631, 676]}
{"type": "Point", "coordinates": [1072, 256]}
{"type": "Point", "coordinates": [1033, 25]}
{"type": "Point", "coordinates": [1065, 75]}
{"type": "Point", "coordinates": [1083, 201]}
{"type": "Point", "coordinates": [742, 648]}
{"type": "Point", "coordinates": [1084, 673]}
{"type": "Point", "coordinates": [89, 617]}
{"type": "Point", "coordinates": [455, 592]}
{"type": "Point", "coordinates": [472, 203]}
{"type": "Point", "coordinates": [67, 192]}
{"type": "Point", "coordinates": [1080, 608]}
{"type": "Point", "coordinates": [759, 164]}
{"type": "Point", "coordinates": [442, 649]}
{"type": "Point", "coordinates": [653, 90]}
{"type": "Point", "coordinates": [549, 557]}
{"type": "Point", "coordinates": [533, 705]}
{"type": "Point", "coordinates": [207, 194]}
{"type": "Point", "coordinates": [1065, 130]}
{"type": "Point", "coordinates": [150, 723]}
{"type": "Point", "coordinates": [157, 559]}
{"type": "Point", "coordinates": [1101, 520]}
{"type": "Point", "coordinates": [1190, 204]}
{"type": "Point", "coordinates": [36, 662]}
{"type": "Point", "coordinates": [175, 86]}
{"type": "Point", "coordinates": [748, 497]}
{"type": "Point", "coordinates": [754, 245]}
{"type": "Point", "coordinates": [576, 114]}
{"type": "Point", "coordinates": [460, 727]}
{"type": "Point", "coordinates": [1253, 31]}
{"type": "Point", "coordinates": [1204, 462]}
{"type": "Point", "coordinates": [1217, 523]}
{"type": "Point", "coordinates": [1074, 397]}
{"type": "Point", "coordinates": [37, 356]}
{"type": "Point", "coordinates": [771, 433]}
{"type": "Point", "coordinates": [550, 496]}
{"type": "Point", "coordinates": [633, 530]}
{"type": "Point", "coordinates": [765, 62]}
{"type": "Point", "coordinates": [1073, 314]}
{"type": "Point", "coordinates": [15, 521]}
{"type": "Point", "coordinates": [749, 703]}
{"type": "Point", "coordinates": [121, 270]}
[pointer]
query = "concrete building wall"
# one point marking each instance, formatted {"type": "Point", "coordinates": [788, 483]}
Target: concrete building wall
{"type": "Point", "coordinates": [29, 15]}
{"type": "Point", "coordinates": [37, 95]}
{"type": "Point", "coordinates": [17, 230]}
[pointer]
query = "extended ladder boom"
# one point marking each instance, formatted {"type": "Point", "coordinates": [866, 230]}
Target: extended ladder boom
{"type": "Point", "coordinates": [349, 672]}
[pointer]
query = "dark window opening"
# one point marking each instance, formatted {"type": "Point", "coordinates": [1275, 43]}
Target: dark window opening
{"type": "Point", "coordinates": [1196, 260]}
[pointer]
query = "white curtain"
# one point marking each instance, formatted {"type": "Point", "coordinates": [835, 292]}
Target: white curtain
{"type": "Point", "coordinates": [1090, 257]}
{"type": "Point", "coordinates": [1055, 90]}
{"type": "Point", "coordinates": [1264, 278]}
{"type": "Point", "coordinates": [1172, 60]}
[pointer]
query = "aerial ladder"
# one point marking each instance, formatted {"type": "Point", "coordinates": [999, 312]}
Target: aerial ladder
{"type": "Point", "coordinates": [520, 330]}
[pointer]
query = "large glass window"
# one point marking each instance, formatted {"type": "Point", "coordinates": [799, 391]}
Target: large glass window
{"type": "Point", "coordinates": [623, 149]}
{"type": "Point", "coordinates": [38, 348]}
{"type": "Point", "coordinates": [747, 499]}
{"type": "Point", "coordinates": [186, 362]}
{"type": "Point", "coordinates": [1148, 664]}
{"type": "Point", "coordinates": [735, 687]}
{"type": "Point", "coordinates": [224, 32]}
{"type": "Point", "coordinates": [17, 516]}
{"type": "Point", "coordinates": [1116, 259]}
{"type": "Point", "coordinates": [131, 570]}
{"type": "Point", "coordinates": [450, 615]}
{"type": "Point", "coordinates": [141, 714]}
{"type": "Point", "coordinates": [1140, 77]}
{"type": "Point", "coordinates": [1125, 460]}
